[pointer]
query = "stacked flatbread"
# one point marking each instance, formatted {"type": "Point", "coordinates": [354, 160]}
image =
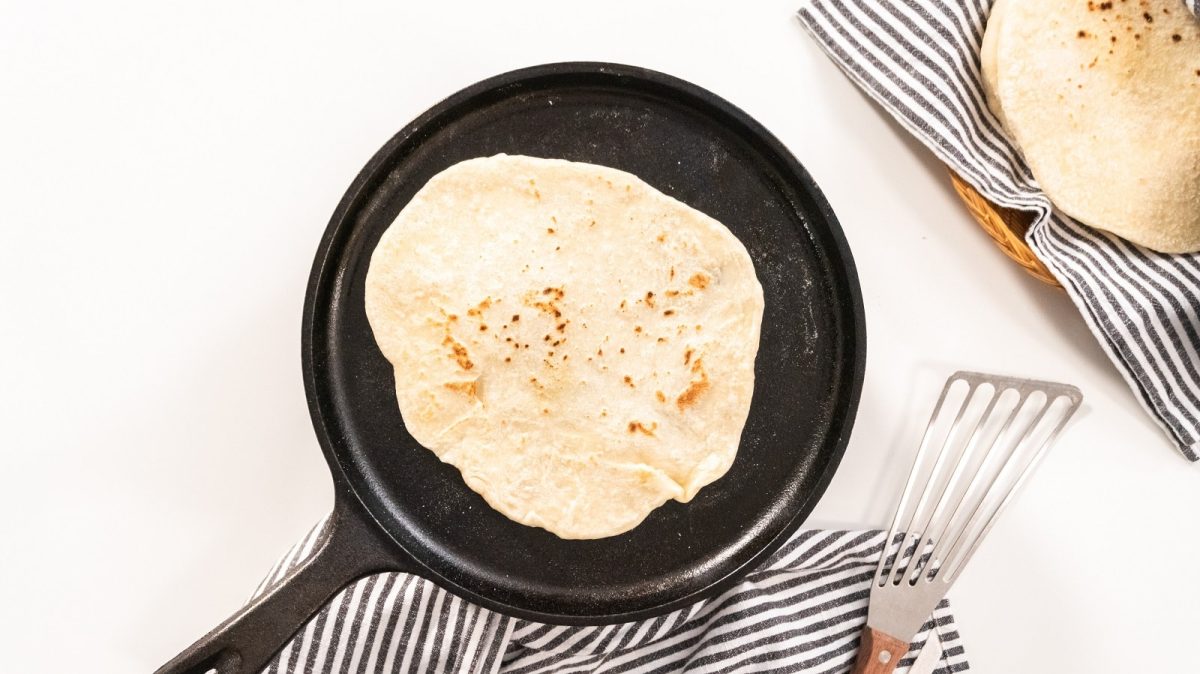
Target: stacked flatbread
{"type": "Point", "coordinates": [1103, 100]}
{"type": "Point", "coordinates": [580, 345]}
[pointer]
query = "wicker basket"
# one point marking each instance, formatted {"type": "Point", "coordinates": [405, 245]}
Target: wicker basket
{"type": "Point", "coordinates": [1007, 228]}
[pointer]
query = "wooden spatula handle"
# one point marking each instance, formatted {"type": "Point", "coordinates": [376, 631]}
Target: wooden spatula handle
{"type": "Point", "coordinates": [878, 653]}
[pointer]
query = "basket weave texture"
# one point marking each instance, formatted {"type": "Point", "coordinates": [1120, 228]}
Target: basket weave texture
{"type": "Point", "coordinates": [1007, 228]}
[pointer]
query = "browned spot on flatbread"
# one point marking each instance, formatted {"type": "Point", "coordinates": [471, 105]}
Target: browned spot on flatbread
{"type": "Point", "coordinates": [695, 389]}
{"type": "Point", "coordinates": [478, 308]}
{"type": "Point", "coordinates": [467, 388]}
{"type": "Point", "coordinates": [698, 281]}
{"type": "Point", "coordinates": [650, 299]}
{"type": "Point", "coordinates": [661, 398]}
{"type": "Point", "coordinates": [548, 306]}
{"type": "Point", "coordinates": [458, 352]}
{"type": "Point", "coordinates": [629, 381]}
{"type": "Point", "coordinates": [639, 427]}
{"type": "Point", "coordinates": [687, 356]}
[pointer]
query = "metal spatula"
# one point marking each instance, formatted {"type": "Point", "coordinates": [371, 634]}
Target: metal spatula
{"type": "Point", "coordinates": [985, 437]}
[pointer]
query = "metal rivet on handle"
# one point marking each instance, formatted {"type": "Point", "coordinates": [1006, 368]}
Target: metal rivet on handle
{"type": "Point", "coordinates": [885, 656]}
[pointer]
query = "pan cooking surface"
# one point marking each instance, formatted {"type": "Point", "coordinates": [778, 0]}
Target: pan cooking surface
{"type": "Point", "coordinates": [690, 145]}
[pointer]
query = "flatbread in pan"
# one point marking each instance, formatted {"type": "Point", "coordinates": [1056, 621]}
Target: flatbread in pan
{"type": "Point", "coordinates": [580, 345]}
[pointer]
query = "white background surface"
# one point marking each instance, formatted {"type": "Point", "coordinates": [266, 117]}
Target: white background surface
{"type": "Point", "coordinates": [167, 170]}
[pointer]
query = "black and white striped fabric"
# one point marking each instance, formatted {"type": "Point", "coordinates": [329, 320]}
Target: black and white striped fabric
{"type": "Point", "coordinates": [919, 59]}
{"type": "Point", "coordinates": [801, 611]}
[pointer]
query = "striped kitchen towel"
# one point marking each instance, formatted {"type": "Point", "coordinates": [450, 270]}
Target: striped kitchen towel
{"type": "Point", "coordinates": [919, 59]}
{"type": "Point", "coordinates": [803, 610]}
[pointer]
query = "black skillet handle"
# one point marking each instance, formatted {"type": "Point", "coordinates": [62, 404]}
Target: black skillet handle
{"type": "Point", "coordinates": [350, 547]}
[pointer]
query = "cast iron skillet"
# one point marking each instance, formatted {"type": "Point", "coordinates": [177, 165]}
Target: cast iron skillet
{"type": "Point", "coordinates": [398, 508]}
